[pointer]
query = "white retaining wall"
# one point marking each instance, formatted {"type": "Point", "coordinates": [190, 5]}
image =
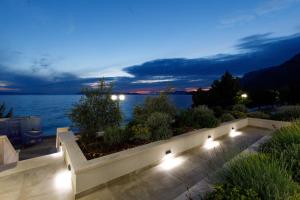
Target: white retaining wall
{"type": "Point", "coordinates": [88, 174]}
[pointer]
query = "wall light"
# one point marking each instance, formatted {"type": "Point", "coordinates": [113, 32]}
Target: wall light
{"type": "Point", "coordinates": [210, 143]}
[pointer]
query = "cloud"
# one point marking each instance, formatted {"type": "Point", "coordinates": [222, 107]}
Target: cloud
{"type": "Point", "coordinates": [255, 52]}
{"type": "Point", "coordinates": [268, 7]}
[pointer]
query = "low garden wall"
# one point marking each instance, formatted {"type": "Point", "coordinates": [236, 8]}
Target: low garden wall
{"type": "Point", "coordinates": [8, 154]}
{"type": "Point", "coordinates": [90, 174]}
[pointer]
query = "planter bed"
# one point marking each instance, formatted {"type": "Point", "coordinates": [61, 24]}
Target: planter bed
{"type": "Point", "coordinates": [88, 175]}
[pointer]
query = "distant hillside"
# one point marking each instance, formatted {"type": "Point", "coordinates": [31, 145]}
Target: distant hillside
{"type": "Point", "coordinates": [284, 76]}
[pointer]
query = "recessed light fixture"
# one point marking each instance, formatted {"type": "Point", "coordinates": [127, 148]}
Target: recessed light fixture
{"type": "Point", "coordinates": [168, 151]}
{"type": "Point", "coordinates": [69, 167]}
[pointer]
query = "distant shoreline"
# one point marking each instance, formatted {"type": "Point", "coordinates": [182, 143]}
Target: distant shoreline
{"type": "Point", "coordinates": [81, 94]}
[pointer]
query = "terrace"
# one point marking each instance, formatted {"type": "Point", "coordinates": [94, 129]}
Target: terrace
{"type": "Point", "coordinates": [158, 178]}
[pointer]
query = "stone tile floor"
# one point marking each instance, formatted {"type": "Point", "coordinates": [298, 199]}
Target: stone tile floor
{"type": "Point", "coordinates": [164, 181]}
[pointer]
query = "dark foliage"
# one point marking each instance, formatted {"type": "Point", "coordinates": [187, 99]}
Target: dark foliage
{"type": "Point", "coordinates": [95, 111]}
{"type": "Point", "coordinates": [222, 93]}
{"type": "Point", "coordinates": [275, 84]}
{"type": "Point", "coordinates": [3, 113]}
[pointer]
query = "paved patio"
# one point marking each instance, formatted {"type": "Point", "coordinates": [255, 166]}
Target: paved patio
{"type": "Point", "coordinates": [51, 180]}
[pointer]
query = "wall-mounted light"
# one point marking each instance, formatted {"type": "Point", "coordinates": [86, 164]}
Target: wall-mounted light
{"type": "Point", "coordinates": [170, 161]}
{"type": "Point", "coordinates": [234, 133]}
{"type": "Point", "coordinates": [210, 143]}
{"type": "Point", "coordinates": [69, 167]}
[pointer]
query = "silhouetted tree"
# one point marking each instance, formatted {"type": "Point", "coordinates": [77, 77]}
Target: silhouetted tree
{"type": "Point", "coordinates": [95, 111]}
{"type": "Point", "coordinates": [9, 114]}
{"type": "Point", "coordinates": [223, 92]}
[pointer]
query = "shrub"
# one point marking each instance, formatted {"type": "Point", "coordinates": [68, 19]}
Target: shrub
{"type": "Point", "coordinates": [287, 113]}
{"type": "Point", "coordinates": [159, 125]}
{"type": "Point", "coordinates": [285, 147]}
{"type": "Point", "coordinates": [218, 111]}
{"type": "Point", "coordinates": [260, 173]}
{"type": "Point", "coordinates": [238, 114]}
{"type": "Point", "coordinates": [160, 103]}
{"type": "Point", "coordinates": [114, 136]}
{"type": "Point", "coordinates": [227, 117]}
{"type": "Point", "coordinates": [291, 158]}
{"type": "Point", "coordinates": [283, 138]}
{"type": "Point", "coordinates": [240, 108]}
{"type": "Point", "coordinates": [140, 132]}
{"type": "Point", "coordinates": [4, 113]}
{"type": "Point", "coordinates": [203, 117]}
{"type": "Point", "coordinates": [227, 192]}
{"type": "Point", "coordinates": [95, 111]}
{"type": "Point", "coordinates": [258, 114]}
{"type": "Point", "coordinates": [199, 117]}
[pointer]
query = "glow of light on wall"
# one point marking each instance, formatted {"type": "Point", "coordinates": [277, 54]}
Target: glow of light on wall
{"type": "Point", "coordinates": [58, 154]}
{"type": "Point", "coordinates": [210, 144]}
{"type": "Point", "coordinates": [169, 161]}
{"type": "Point", "coordinates": [62, 180]}
{"type": "Point", "coordinates": [234, 133]}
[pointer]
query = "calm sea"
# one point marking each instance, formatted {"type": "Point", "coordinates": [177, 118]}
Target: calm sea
{"type": "Point", "coordinates": [53, 109]}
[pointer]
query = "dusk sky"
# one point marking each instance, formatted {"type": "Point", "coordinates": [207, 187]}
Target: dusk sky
{"type": "Point", "coordinates": [59, 46]}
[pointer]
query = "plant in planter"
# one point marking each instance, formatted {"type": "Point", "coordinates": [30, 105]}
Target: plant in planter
{"type": "Point", "coordinates": [114, 136]}
{"type": "Point", "coordinates": [160, 126]}
{"type": "Point", "coordinates": [140, 132]}
{"type": "Point", "coordinates": [95, 111]}
{"type": "Point", "coordinates": [151, 105]}
{"type": "Point", "coordinates": [227, 117]}
{"type": "Point", "coordinates": [198, 117]}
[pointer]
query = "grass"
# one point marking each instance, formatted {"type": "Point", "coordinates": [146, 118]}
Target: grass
{"type": "Point", "coordinates": [272, 173]}
{"type": "Point", "coordinates": [262, 174]}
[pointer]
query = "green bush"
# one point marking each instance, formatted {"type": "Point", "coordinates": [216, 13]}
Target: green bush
{"type": "Point", "coordinates": [203, 117]}
{"type": "Point", "coordinates": [283, 138]}
{"type": "Point", "coordinates": [227, 192]}
{"type": "Point", "coordinates": [238, 114]}
{"type": "Point", "coordinates": [260, 173]}
{"type": "Point", "coordinates": [159, 125]}
{"type": "Point", "coordinates": [291, 158]}
{"type": "Point", "coordinates": [226, 117]}
{"type": "Point", "coordinates": [258, 114]}
{"type": "Point", "coordinates": [287, 113]}
{"type": "Point", "coordinates": [199, 117]}
{"type": "Point", "coordinates": [140, 132]}
{"type": "Point", "coordinates": [160, 103]}
{"type": "Point", "coordinates": [95, 111]}
{"type": "Point", "coordinates": [240, 108]}
{"type": "Point", "coordinates": [114, 136]}
{"type": "Point", "coordinates": [285, 147]}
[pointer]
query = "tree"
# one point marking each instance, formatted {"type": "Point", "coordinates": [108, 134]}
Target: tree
{"type": "Point", "coordinates": [9, 114]}
{"type": "Point", "coordinates": [223, 92]}
{"type": "Point", "coordinates": [95, 111]}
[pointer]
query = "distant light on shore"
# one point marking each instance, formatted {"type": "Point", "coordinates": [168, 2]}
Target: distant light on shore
{"type": "Point", "coordinates": [244, 95]}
